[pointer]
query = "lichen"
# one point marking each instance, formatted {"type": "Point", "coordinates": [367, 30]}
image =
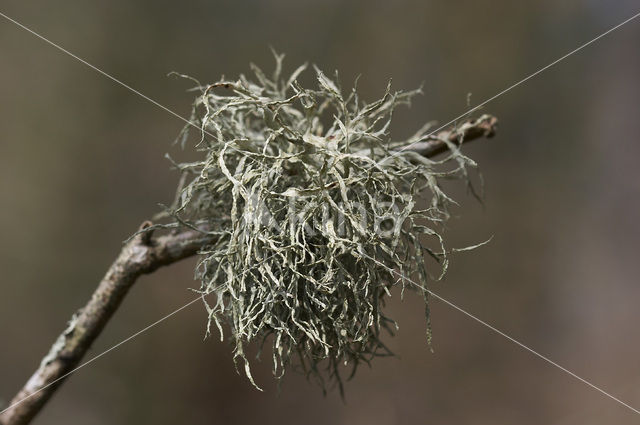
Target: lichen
{"type": "Point", "coordinates": [318, 214]}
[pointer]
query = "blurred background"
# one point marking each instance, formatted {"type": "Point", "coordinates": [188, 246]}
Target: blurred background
{"type": "Point", "coordinates": [81, 166]}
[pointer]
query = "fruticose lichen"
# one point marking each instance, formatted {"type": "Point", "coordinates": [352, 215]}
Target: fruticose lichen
{"type": "Point", "coordinates": [318, 214]}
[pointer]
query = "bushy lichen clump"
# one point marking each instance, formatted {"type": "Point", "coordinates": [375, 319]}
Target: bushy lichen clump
{"type": "Point", "coordinates": [316, 212]}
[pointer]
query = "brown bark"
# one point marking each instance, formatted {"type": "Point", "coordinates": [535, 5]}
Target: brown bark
{"type": "Point", "coordinates": [469, 130]}
{"type": "Point", "coordinates": [143, 255]}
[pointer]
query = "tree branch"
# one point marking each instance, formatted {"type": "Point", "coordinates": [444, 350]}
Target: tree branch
{"type": "Point", "coordinates": [143, 255]}
{"type": "Point", "coordinates": [469, 130]}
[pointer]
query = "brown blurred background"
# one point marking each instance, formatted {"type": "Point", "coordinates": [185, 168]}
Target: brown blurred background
{"type": "Point", "coordinates": [81, 165]}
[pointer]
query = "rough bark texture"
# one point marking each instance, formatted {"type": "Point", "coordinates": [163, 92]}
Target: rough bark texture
{"type": "Point", "coordinates": [143, 255]}
{"type": "Point", "coordinates": [485, 126]}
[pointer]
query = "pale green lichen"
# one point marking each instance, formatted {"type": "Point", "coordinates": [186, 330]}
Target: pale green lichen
{"type": "Point", "coordinates": [318, 216]}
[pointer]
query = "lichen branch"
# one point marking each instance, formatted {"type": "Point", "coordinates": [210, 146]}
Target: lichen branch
{"type": "Point", "coordinates": [144, 254]}
{"type": "Point", "coordinates": [312, 186]}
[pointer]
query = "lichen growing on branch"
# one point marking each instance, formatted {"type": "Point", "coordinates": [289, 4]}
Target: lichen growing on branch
{"type": "Point", "coordinates": [318, 213]}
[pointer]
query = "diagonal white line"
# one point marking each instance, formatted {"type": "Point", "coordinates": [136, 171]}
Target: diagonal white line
{"type": "Point", "coordinates": [531, 350]}
{"type": "Point", "coordinates": [114, 79]}
{"type": "Point", "coordinates": [499, 332]}
{"type": "Point", "coordinates": [140, 332]}
{"type": "Point", "coordinates": [396, 153]}
{"type": "Point", "coordinates": [98, 70]}
{"type": "Point", "coordinates": [463, 311]}
{"type": "Point", "coordinates": [475, 108]}
{"type": "Point", "coordinates": [91, 360]}
{"type": "Point", "coordinates": [511, 87]}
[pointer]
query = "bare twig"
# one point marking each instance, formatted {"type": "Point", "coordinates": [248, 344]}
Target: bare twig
{"type": "Point", "coordinates": [469, 130]}
{"type": "Point", "coordinates": [143, 255]}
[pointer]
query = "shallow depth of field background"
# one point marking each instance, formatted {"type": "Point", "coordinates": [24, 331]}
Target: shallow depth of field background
{"type": "Point", "coordinates": [81, 166]}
